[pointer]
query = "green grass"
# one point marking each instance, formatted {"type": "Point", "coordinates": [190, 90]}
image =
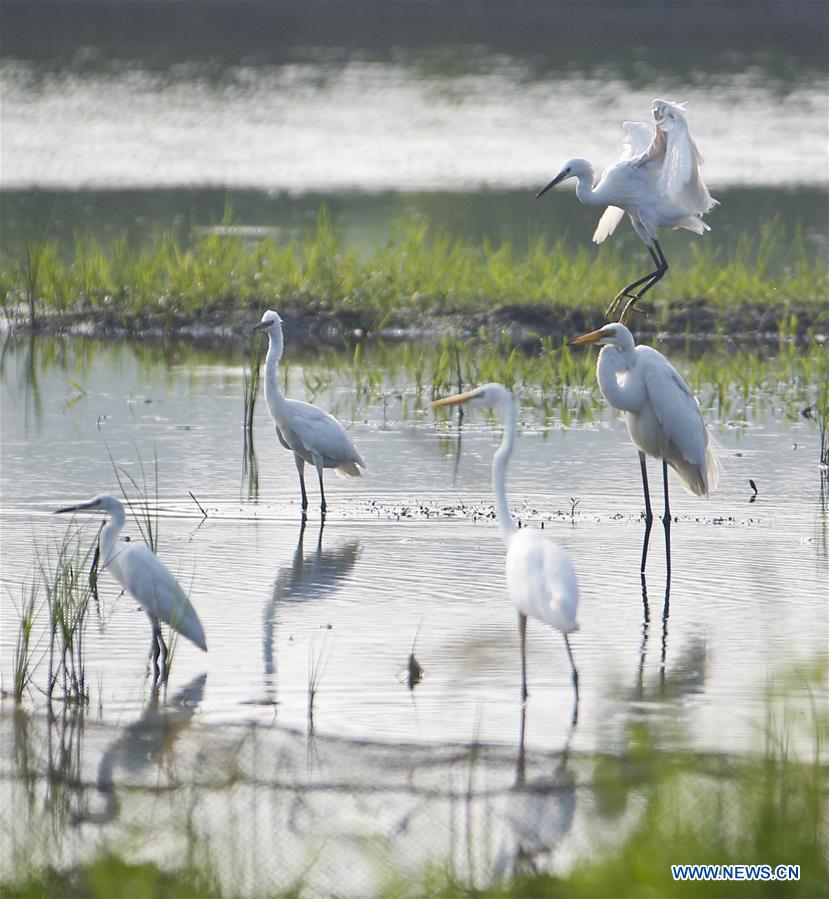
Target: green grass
{"type": "Point", "coordinates": [420, 270]}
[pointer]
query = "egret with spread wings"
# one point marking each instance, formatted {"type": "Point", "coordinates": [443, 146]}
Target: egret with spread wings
{"type": "Point", "coordinates": [142, 574]}
{"type": "Point", "coordinates": [541, 581]}
{"type": "Point", "coordinates": [657, 183]}
{"type": "Point", "coordinates": [662, 416]}
{"type": "Point", "coordinates": [310, 433]}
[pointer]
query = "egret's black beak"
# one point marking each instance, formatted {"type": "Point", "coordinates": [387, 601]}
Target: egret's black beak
{"type": "Point", "coordinates": [559, 177]}
{"type": "Point", "coordinates": [78, 507]}
{"type": "Point", "coordinates": [259, 326]}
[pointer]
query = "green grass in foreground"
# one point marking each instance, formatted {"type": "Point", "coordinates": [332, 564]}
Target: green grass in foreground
{"type": "Point", "coordinates": [421, 269]}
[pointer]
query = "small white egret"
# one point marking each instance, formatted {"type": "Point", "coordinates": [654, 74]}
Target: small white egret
{"type": "Point", "coordinates": [657, 183]}
{"type": "Point", "coordinates": [662, 416]}
{"type": "Point", "coordinates": [541, 581]}
{"type": "Point", "coordinates": [312, 435]}
{"type": "Point", "coordinates": [140, 572]}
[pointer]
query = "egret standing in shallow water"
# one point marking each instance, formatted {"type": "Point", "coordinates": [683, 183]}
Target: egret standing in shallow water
{"type": "Point", "coordinates": [139, 571]}
{"type": "Point", "coordinates": [657, 183]}
{"type": "Point", "coordinates": [312, 435]}
{"type": "Point", "coordinates": [541, 581]}
{"type": "Point", "coordinates": [662, 416]}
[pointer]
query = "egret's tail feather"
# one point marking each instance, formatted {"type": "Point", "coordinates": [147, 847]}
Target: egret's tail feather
{"type": "Point", "coordinates": [608, 223]}
{"type": "Point", "coordinates": [690, 476]}
{"type": "Point", "coordinates": [348, 469]}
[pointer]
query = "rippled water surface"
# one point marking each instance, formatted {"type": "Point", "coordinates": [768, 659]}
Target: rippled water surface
{"type": "Point", "coordinates": [409, 556]}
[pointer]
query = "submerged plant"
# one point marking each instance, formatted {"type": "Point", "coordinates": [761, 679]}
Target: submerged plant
{"type": "Point", "coordinates": [251, 378]}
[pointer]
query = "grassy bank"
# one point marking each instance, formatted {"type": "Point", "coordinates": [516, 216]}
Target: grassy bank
{"type": "Point", "coordinates": [420, 273]}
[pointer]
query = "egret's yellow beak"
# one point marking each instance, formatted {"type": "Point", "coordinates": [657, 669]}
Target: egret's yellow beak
{"type": "Point", "coordinates": [455, 400]}
{"type": "Point", "coordinates": [590, 337]}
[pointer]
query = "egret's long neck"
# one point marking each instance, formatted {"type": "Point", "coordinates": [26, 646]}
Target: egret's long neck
{"type": "Point", "coordinates": [621, 392]}
{"type": "Point", "coordinates": [586, 192]}
{"type": "Point", "coordinates": [499, 471]}
{"type": "Point", "coordinates": [273, 395]}
{"type": "Point", "coordinates": [109, 535]}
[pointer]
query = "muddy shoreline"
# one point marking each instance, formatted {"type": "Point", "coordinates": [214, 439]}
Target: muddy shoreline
{"type": "Point", "coordinates": [526, 325]}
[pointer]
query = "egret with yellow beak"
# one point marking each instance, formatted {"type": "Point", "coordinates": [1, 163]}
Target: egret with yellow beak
{"type": "Point", "coordinates": [662, 416]}
{"type": "Point", "coordinates": [541, 581]}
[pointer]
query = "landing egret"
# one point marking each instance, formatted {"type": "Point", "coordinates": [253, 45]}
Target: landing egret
{"type": "Point", "coordinates": [139, 571]}
{"type": "Point", "coordinates": [662, 416]}
{"type": "Point", "coordinates": [657, 183]}
{"type": "Point", "coordinates": [312, 435]}
{"type": "Point", "coordinates": [541, 581]}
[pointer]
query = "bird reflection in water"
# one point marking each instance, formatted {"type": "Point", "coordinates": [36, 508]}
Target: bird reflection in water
{"type": "Point", "coordinates": [310, 575]}
{"type": "Point", "coordinates": [540, 809]}
{"type": "Point", "coordinates": [145, 744]}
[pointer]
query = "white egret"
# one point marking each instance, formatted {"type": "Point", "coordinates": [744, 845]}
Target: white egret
{"type": "Point", "coordinates": [662, 416]}
{"type": "Point", "coordinates": [541, 581]}
{"type": "Point", "coordinates": [140, 572]}
{"type": "Point", "coordinates": [657, 183]}
{"type": "Point", "coordinates": [312, 435]}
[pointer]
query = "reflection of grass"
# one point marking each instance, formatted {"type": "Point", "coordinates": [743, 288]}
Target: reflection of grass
{"type": "Point", "coordinates": [421, 269]}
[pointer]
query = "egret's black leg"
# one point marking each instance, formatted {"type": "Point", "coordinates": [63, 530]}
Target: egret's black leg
{"type": "Point", "coordinates": [648, 280]}
{"type": "Point", "coordinates": [661, 267]}
{"type": "Point", "coordinates": [322, 490]}
{"type": "Point", "coordinates": [300, 467]}
{"type": "Point", "coordinates": [163, 645]}
{"type": "Point", "coordinates": [522, 633]}
{"type": "Point", "coordinates": [666, 518]}
{"type": "Point", "coordinates": [648, 512]}
{"type": "Point", "coordinates": [575, 678]}
{"type": "Point", "coordinates": [155, 649]}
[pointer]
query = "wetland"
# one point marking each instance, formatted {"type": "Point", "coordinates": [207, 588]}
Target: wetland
{"type": "Point", "coordinates": [356, 726]}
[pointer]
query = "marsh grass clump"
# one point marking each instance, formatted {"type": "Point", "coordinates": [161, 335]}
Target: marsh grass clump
{"type": "Point", "coordinates": [68, 588]}
{"type": "Point", "coordinates": [27, 641]}
{"type": "Point", "coordinates": [421, 270]}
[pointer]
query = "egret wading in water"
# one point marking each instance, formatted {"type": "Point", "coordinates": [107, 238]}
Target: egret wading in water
{"type": "Point", "coordinates": [541, 581]}
{"type": "Point", "coordinates": [310, 433]}
{"type": "Point", "coordinates": [657, 183]}
{"type": "Point", "coordinates": [140, 572]}
{"type": "Point", "coordinates": [662, 416]}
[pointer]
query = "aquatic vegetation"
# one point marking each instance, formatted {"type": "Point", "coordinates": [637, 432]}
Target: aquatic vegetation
{"type": "Point", "coordinates": [250, 386]}
{"type": "Point", "coordinates": [420, 270]}
{"type": "Point", "coordinates": [27, 612]}
{"type": "Point", "coordinates": [68, 587]}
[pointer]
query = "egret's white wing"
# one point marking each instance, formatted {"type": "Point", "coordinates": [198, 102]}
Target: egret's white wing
{"type": "Point", "coordinates": [541, 580]}
{"type": "Point", "coordinates": [607, 223]}
{"type": "Point", "coordinates": [638, 138]}
{"type": "Point", "coordinates": [680, 179]}
{"type": "Point", "coordinates": [321, 434]}
{"type": "Point", "coordinates": [678, 414]}
{"type": "Point", "coordinates": [146, 577]}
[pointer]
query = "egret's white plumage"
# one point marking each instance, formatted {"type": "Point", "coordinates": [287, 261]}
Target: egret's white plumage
{"type": "Point", "coordinates": [541, 581]}
{"type": "Point", "coordinates": [142, 574]}
{"type": "Point", "coordinates": [657, 182]}
{"type": "Point", "coordinates": [312, 435]}
{"type": "Point", "coordinates": [662, 416]}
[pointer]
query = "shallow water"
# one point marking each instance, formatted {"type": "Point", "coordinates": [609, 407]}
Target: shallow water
{"type": "Point", "coordinates": [392, 566]}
